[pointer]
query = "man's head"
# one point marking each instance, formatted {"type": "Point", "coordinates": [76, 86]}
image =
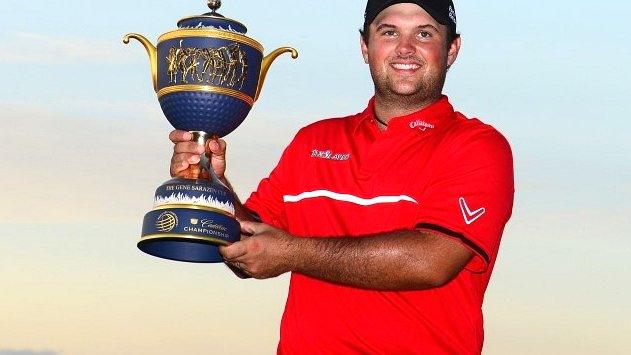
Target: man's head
{"type": "Point", "coordinates": [443, 11]}
{"type": "Point", "coordinates": [409, 49]}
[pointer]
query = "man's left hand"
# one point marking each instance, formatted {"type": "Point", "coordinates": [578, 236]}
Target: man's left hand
{"type": "Point", "coordinates": [264, 254]}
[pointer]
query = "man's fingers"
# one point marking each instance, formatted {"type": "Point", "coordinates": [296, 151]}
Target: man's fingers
{"type": "Point", "coordinates": [249, 227]}
{"type": "Point", "coordinates": [179, 159]}
{"type": "Point", "coordinates": [180, 136]}
{"type": "Point", "coordinates": [181, 162]}
{"type": "Point", "coordinates": [217, 147]}
{"type": "Point", "coordinates": [242, 274]}
{"type": "Point", "coordinates": [233, 251]}
{"type": "Point", "coordinates": [188, 147]}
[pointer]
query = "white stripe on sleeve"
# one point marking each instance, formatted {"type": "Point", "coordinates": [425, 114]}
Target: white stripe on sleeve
{"type": "Point", "coordinates": [348, 198]}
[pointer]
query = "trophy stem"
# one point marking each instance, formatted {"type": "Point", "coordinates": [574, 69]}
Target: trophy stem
{"type": "Point", "coordinates": [202, 170]}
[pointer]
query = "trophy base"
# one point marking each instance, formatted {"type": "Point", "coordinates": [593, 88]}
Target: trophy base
{"type": "Point", "coordinates": [187, 233]}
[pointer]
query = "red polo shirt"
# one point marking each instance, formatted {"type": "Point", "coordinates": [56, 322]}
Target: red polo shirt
{"type": "Point", "coordinates": [434, 169]}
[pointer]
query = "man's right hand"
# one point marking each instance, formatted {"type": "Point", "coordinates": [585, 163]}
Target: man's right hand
{"type": "Point", "coordinates": [187, 152]}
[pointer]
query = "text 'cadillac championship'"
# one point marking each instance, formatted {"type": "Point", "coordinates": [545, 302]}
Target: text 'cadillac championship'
{"type": "Point", "coordinates": [207, 75]}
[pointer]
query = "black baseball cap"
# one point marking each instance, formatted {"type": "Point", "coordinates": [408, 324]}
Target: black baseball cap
{"type": "Point", "coordinates": [443, 11]}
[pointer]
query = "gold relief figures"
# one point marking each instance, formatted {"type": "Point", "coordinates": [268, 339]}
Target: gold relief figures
{"type": "Point", "coordinates": [226, 65]}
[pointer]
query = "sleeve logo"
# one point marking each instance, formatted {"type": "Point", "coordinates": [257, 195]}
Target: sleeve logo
{"type": "Point", "coordinates": [470, 216]}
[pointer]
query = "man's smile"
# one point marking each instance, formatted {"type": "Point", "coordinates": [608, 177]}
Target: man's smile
{"type": "Point", "coordinates": [401, 66]}
{"type": "Point", "coordinates": [406, 65]}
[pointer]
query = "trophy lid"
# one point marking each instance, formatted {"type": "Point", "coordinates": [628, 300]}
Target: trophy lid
{"type": "Point", "coordinates": [212, 20]}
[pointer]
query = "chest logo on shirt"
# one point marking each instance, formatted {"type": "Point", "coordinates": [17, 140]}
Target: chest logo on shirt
{"type": "Point", "coordinates": [421, 125]}
{"type": "Point", "coordinates": [470, 216]}
{"type": "Point", "coordinates": [329, 155]}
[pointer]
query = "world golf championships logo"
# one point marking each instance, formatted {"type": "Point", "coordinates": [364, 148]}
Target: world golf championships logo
{"type": "Point", "coordinates": [166, 221]}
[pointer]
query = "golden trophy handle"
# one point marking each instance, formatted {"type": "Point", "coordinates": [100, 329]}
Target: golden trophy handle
{"type": "Point", "coordinates": [267, 62]}
{"type": "Point", "coordinates": [151, 51]}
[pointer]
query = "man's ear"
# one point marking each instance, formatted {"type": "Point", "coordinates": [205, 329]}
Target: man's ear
{"type": "Point", "coordinates": [364, 48]}
{"type": "Point", "coordinates": [454, 49]}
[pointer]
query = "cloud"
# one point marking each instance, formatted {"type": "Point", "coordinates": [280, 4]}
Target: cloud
{"type": "Point", "coordinates": [27, 352]}
{"type": "Point", "coordinates": [48, 49]}
{"type": "Point", "coordinates": [78, 107]}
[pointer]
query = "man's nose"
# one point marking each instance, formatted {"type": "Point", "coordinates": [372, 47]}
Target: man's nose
{"type": "Point", "coordinates": [406, 46]}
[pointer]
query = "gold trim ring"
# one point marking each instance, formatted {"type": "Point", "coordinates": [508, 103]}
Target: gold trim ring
{"type": "Point", "coordinates": [207, 88]}
{"type": "Point", "coordinates": [211, 33]}
{"type": "Point", "coordinates": [184, 236]}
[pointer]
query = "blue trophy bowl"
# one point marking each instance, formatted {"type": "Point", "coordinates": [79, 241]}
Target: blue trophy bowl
{"type": "Point", "coordinates": [207, 84]}
{"type": "Point", "coordinates": [204, 111]}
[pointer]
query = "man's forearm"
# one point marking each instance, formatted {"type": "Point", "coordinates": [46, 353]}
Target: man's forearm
{"type": "Point", "coordinates": [400, 260]}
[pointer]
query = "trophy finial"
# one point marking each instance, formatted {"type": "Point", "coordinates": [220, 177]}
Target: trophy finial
{"type": "Point", "coordinates": [214, 5]}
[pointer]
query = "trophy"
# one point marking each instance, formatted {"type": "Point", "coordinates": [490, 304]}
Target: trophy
{"type": "Point", "coordinates": [207, 75]}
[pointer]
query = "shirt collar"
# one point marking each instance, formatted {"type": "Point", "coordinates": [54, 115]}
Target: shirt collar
{"type": "Point", "coordinates": [421, 121]}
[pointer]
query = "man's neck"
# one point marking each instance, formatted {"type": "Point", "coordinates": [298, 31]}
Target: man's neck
{"type": "Point", "coordinates": [386, 108]}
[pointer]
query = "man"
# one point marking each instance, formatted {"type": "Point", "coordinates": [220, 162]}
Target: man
{"type": "Point", "coordinates": [389, 220]}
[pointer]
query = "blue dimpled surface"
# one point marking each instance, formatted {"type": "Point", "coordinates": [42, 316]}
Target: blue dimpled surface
{"type": "Point", "coordinates": [204, 111]}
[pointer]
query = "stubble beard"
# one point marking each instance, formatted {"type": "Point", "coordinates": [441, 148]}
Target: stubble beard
{"type": "Point", "coordinates": [426, 91]}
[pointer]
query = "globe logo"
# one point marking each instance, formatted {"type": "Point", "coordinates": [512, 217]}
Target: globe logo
{"type": "Point", "coordinates": [166, 221]}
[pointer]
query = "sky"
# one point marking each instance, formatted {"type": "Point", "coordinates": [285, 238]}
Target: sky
{"type": "Point", "coordinates": [83, 145]}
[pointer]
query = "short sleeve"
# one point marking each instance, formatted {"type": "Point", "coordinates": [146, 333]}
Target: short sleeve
{"type": "Point", "coordinates": [470, 196]}
{"type": "Point", "coordinates": [267, 201]}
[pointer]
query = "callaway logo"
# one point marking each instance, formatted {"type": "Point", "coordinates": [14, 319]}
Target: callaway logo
{"type": "Point", "coordinates": [421, 125]}
{"type": "Point", "coordinates": [327, 154]}
{"type": "Point", "coordinates": [470, 216]}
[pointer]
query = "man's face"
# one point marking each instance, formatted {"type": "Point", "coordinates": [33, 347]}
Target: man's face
{"type": "Point", "coordinates": [408, 54]}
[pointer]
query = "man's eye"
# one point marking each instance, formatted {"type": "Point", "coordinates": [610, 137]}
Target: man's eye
{"type": "Point", "coordinates": [388, 33]}
{"type": "Point", "coordinates": [424, 34]}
